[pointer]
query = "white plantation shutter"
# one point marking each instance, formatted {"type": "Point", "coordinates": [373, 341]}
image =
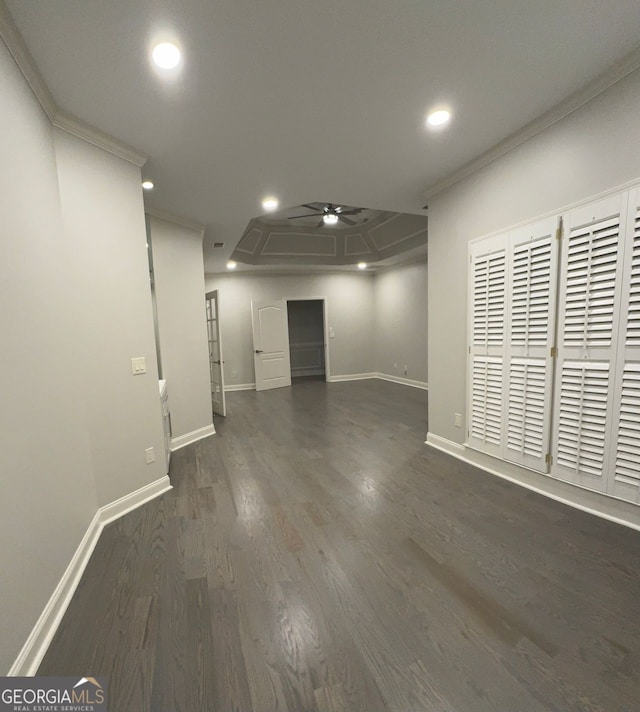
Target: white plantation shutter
{"type": "Point", "coordinates": [488, 264]}
{"type": "Point", "coordinates": [486, 400]}
{"type": "Point", "coordinates": [582, 416]}
{"type": "Point", "coordinates": [533, 267]}
{"type": "Point", "coordinates": [590, 297]}
{"type": "Point", "coordinates": [626, 468]}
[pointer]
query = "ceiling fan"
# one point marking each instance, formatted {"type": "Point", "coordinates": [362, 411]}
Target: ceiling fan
{"type": "Point", "coordinates": [330, 214]}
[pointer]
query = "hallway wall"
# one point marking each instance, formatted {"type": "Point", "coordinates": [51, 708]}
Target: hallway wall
{"type": "Point", "coordinates": [76, 306]}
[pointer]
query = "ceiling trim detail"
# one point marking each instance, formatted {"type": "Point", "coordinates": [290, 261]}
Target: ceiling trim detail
{"type": "Point", "coordinates": [60, 119]}
{"type": "Point", "coordinates": [174, 219]}
{"type": "Point", "coordinates": [26, 64]}
{"type": "Point", "coordinates": [69, 123]}
{"type": "Point", "coordinates": [275, 241]}
{"type": "Point", "coordinates": [590, 91]}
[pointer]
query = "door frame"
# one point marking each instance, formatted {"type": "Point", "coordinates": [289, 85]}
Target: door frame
{"type": "Point", "coordinates": [215, 294]}
{"type": "Point", "coordinates": [325, 326]}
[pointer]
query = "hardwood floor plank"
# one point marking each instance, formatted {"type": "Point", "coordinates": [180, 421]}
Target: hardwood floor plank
{"type": "Point", "coordinates": [316, 556]}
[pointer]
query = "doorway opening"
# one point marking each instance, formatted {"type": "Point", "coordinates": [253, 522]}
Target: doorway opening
{"type": "Point", "coordinates": [307, 342]}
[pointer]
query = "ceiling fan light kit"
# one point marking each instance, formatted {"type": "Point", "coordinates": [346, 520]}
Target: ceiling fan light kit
{"type": "Point", "coordinates": [329, 214]}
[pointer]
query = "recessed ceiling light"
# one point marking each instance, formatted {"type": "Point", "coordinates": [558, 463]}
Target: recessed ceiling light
{"type": "Point", "coordinates": [362, 265]}
{"type": "Point", "coordinates": [330, 219]}
{"type": "Point", "coordinates": [270, 203]}
{"type": "Point", "coordinates": [231, 264]}
{"type": "Point", "coordinates": [147, 184]}
{"type": "Point", "coordinates": [439, 117]}
{"type": "Point", "coordinates": [166, 55]}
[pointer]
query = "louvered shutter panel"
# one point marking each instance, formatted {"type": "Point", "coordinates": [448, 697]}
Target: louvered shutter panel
{"type": "Point", "coordinates": [589, 307]}
{"type": "Point", "coordinates": [488, 278]}
{"type": "Point", "coordinates": [626, 476]}
{"type": "Point", "coordinates": [533, 267]}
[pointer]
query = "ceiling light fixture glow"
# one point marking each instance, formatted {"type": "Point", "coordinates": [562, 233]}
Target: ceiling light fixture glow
{"type": "Point", "coordinates": [147, 184]}
{"type": "Point", "coordinates": [166, 55]}
{"type": "Point", "coordinates": [270, 203]}
{"type": "Point", "coordinates": [231, 264]}
{"type": "Point", "coordinates": [362, 265]}
{"type": "Point", "coordinates": [439, 117]}
{"type": "Point", "coordinates": [330, 219]}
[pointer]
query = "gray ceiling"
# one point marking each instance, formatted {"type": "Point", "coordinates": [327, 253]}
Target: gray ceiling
{"type": "Point", "coordinates": [371, 236]}
{"type": "Point", "coordinates": [314, 99]}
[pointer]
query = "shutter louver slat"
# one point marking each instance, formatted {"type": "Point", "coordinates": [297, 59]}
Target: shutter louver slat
{"type": "Point", "coordinates": [530, 292]}
{"type": "Point", "coordinates": [592, 260]}
{"type": "Point", "coordinates": [627, 465]}
{"type": "Point", "coordinates": [526, 407]}
{"type": "Point", "coordinates": [582, 417]}
{"type": "Point", "coordinates": [488, 300]}
{"type": "Point", "coordinates": [633, 311]}
{"type": "Point", "coordinates": [486, 399]}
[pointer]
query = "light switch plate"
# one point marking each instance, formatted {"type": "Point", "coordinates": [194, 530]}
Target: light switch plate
{"type": "Point", "coordinates": [138, 365]}
{"type": "Point", "coordinates": [150, 455]}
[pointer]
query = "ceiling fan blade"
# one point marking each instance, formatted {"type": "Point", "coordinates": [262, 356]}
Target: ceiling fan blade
{"type": "Point", "coordinates": [320, 224]}
{"type": "Point", "coordinates": [308, 215]}
{"type": "Point", "coordinates": [311, 207]}
{"type": "Point", "coordinates": [346, 220]}
{"type": "Point", "coordinates": [352, 211]}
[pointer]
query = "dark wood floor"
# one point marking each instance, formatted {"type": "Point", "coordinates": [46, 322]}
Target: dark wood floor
{"type": "Point", "coordinates": [316, 555]}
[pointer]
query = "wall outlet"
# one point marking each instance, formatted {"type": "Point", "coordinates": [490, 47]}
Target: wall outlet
{"type": "Point", "coordinates": [150, 454]}
{"type": "Point", "coordinates": [406, 369]}
{"type": "Point", "coordinates": [332, 333]}
{"type": "Point", "coordinates": [395, 365]}
{"type": "Point", "coordinates": [457, 420]}
{"type": "Point", "coordinates": [138, 365]}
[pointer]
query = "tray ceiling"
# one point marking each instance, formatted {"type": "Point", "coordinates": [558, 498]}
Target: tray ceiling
{"type": "Point", "coordinates": [279, 239]}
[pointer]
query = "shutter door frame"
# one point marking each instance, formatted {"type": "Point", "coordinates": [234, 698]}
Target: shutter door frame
{"type": "Point", "coordinates": [625, 461]}
{"type": "Point", "coordinates": [531, 334]}
{"type": "Point", "coordinates": [589, 310]}
{"type": "Point", "coordinates": [486, 338]}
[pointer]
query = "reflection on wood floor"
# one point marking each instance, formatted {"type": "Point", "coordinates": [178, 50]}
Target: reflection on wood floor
{"type": "Point", "coordinates": [315, 554]}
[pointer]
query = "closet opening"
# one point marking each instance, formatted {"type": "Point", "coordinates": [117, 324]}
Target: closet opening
{"type": "Point", "coordinates": [307, 340]}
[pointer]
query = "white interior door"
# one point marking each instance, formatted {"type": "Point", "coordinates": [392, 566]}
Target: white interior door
{"type": "Point", "coordinates": [271, 344]}
{"type": "Point", "coordinates": [216, 370]}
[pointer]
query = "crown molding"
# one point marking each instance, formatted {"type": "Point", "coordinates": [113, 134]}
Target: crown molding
{"type": "Point", "coordinates": [415, 260]}
{"type": "Point", "coordinates": [26, 64]}
{"type": "Point", "coordinates": [80, 129]}
{"type": "Point", "coordinates": [61, 119]}
{"type": "Point", "coordinates": [279, 272]}
{"type": "Point", "coordinates": [174, 219]}
{"type": "Point", "coordinates": [618, 71]}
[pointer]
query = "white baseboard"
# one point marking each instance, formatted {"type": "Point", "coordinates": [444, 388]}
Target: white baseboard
{"type": "Point", "coordinates": [423, 385]}
{"type": "Point", "coordinates": [30, 657]}
{"type": "Point", "coordinates": [597, 503]}
{"type": "Point", "coordinates": [132, 501]}
{"type": "Point", "coordinates": [351, 377]}
{"type": "Point", "coordinates": [445, 445]}
{"type": "Point", "coordinates": [192, 437]}
{"type": "Point", "coordinates": [240, 387]}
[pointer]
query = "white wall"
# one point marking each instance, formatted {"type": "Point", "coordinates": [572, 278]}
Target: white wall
{"type": "Point", "coordinates": [47, 491]}
{"type": "Point", "coordinates": [350, 300]}
{"type": "Point", "coordinates": [401, 321]}
{"type": "Point", "coordinates": [74, 307]}
{"type": "Point", "coordinates": [103, 217]}
{"type": "Point", "coordinates": [590, 151]}
{"type": "Point", "coordinates": [179, 289]}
